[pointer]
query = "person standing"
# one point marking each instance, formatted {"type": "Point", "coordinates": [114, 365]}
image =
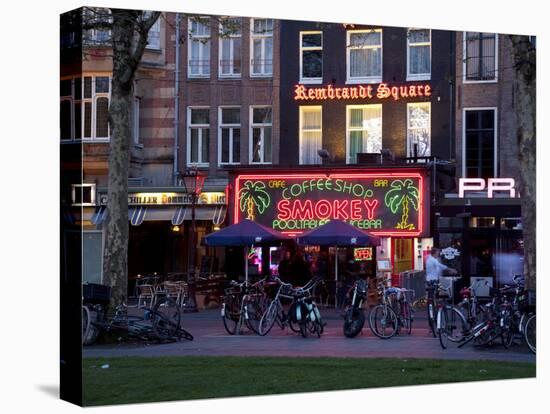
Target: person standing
{"type": "Point", "coordinates": [434, 268]}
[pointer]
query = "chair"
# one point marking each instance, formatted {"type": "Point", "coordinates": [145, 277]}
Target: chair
{"type": "Point", "coordinates": [146, 292]}
{"type": "Point", "coordinates": [183, 289]}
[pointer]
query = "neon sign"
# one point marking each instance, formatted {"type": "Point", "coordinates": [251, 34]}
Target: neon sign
{"type": "Point", "coordinates": [390, 203]}
{"type": "Point", "coordinates": [382, 91]}
{"type": "Point", "coordinates": [362, 254]}
{"type": "Point", "coordinates": [493, 184]}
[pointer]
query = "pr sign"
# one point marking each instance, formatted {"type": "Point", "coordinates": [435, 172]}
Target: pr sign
{"type": "Point", "coordinates": [390, 203]}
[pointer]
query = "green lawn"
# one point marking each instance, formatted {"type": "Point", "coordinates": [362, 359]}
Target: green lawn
{"type": "Point", "coordinates": [134, 380]}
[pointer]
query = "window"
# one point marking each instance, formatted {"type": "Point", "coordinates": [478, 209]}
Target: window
{"type": "Point", "coordinates": [83, 194]}
{"type": "Point", "coordinates": [311, 133]}
{"type": "Point", "coordinates": [153, 37]}
{"type": "Point", "coordinates": [261, 47]}
{"type": "Point", "coordinates": [260, 134]}
{"type": "Point", "coordinates": [199, 48]}
{"type": "Point", "coordinates": [311, 57]}
{"type": "Point", "coordinates": [100, 35]}
{"type": "Point", "coordinates": [419, 54]}
{"type": "Point", "coordinates": [364, 56]}
{"type": "Point", "coordinates": [135, 119]}
{"type": "Point", "coordinates": [229, 135]}
{"type": "Point", "coordinates": [479, 149]}
{"type": "Point", "coordinates": [198, 139]}
{"type": "Point", "coordinates": [480, 56]}
{"type": "Point", "coordinates": [92, 256]}
{"type": "Point", "coordinates": [364, 130]}
{"type": "Point", "coordinates": [230, 48]}
{"type": "Point", "coordinates": [418, 129]}
{"type": "Point", "coordinates": [85, 108]}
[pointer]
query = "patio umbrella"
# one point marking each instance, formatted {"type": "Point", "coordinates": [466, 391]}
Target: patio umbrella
{"type": "Point", "coordinates": [244, 233]}
{"type": "Point", "coordinates": [337, 233]}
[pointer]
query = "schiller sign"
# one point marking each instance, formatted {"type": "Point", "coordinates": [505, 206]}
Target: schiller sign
{"type": "Point", "coordinates": [382, 203]}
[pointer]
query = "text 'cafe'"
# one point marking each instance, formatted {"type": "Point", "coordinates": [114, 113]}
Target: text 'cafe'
{"type": "Point", "coordinates": [392, 204]}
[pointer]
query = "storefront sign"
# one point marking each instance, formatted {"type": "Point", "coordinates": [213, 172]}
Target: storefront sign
{"type": "Point", "coordinates": [449, 253]}
{"type": "Point", "coordinates": [383, 203]}
{"type": "Point", "coordinates": [382, 91]}
{"type": "Point", "coordinates": [492, 185]}
{"type": "Point", "coordinates": [362, 254]}
{"type": "Point", "coordinates": [169, 199]}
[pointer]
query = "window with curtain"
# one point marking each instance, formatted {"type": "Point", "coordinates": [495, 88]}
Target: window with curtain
{"type": "Point", "coordinates": [311, 134]}
{"type": "Point", "coordinates": [135, 119]}
{"type": "Point", "coordinates": [480, 139]}
{"type": "Point", "coordinates": [261, 41]}
{"type": "Point", "coordinates": [198, 143]}
{"type": "Point", "coordinates": [480, 56]}
{"type": "Point", "coordinates": [260, 134]}
{"type": "Point", "coordinates": [418, 129]}
{"type": "Point", "coordinates": [364, 55]}
{"type": "Point", "coordinates": [199, 48]}
{"type": "Point", "coordinates": [419, 54]}
{"type": "Point", "coordinates": [230, 48]}
{"type": "Point", "coordinates": [311, 56]}
{"type": "Point", "coordinates": [364, 130]}
{"type": "Point", "coordinates": [230, 135]}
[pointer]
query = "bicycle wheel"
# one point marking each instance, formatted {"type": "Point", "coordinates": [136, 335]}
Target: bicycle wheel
{"type": "Point", "coordinates": [407, 317]}
{"type": "Point", "coordinates": [451, 326]}
{"type": "Point", "coordinates": [253, 315]}
{"type": "Point", "coordinates": [383, 321]}
{"type": "Point", "coordinates": [166, 318]}
{"type": "Point", "coordinates": [353, 322]}
{"type": "Point", "coordinates": [231, 313]}
{"type": "Point", "coordinates": [268, 318]}
{"type": "Point", "coordinates": [506, 329]}
{"type": "Point", "coordinates": [530, 333]}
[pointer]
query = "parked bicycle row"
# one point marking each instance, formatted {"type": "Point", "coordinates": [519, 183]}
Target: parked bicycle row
{"type": "Point", "coordinates": [508, 317]}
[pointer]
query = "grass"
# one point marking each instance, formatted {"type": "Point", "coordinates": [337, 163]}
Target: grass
{"type": "Point", "coordinates": [136, 380]}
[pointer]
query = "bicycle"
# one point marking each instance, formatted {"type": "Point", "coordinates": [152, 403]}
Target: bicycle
{"type": "Point", "coordinates": [354, 317]}
{"type": "Point", "coordinates": [161, 322]}
{"type": "Point", "coordinates": [243, 302]}
{"type": "Point", "coordinates": [451, 324]}
{"type": "Point", "coordinates": [394, 312]}
{"type": "Point", "coordinates": [304, 311]}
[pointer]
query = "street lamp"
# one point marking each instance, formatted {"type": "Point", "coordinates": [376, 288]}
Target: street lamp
{"type": "Point", "coordinates": [193, 180]}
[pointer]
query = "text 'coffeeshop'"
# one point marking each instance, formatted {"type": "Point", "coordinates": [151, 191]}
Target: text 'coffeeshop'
{"type": "Point", "coordinates": [392, 204]}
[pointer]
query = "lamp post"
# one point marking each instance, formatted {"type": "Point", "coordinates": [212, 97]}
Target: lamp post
{"type": "Point", "coordinates": [193, 181]}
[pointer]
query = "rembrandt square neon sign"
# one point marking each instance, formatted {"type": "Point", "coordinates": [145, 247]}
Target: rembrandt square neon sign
{"type": "Point", "coordinates": [382, 91]}
{"type": "Point", "coordinates": [386, 204]}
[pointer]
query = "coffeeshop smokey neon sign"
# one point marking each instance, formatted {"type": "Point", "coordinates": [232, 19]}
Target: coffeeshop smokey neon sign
{"type": "Point", "coordinates": [382, 91]}
{"type": "Point", "coordinates": [384, 204]}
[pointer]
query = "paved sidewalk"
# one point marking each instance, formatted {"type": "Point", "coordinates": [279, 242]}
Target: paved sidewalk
{"type": "Point", "coordinates": [211, 339]}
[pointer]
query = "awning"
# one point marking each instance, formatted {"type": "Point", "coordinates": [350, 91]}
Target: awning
{"type": "Point", "coordinates": [177, 215]}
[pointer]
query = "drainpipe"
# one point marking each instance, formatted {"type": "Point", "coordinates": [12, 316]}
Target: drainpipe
{"type": "Point", "coordinates": [177, 101]}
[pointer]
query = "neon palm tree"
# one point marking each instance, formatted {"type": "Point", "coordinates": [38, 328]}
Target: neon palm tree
{"type": "Point", "coordinates": [401, 194]}
{"type": "Point", "coordinates": [253, 194]}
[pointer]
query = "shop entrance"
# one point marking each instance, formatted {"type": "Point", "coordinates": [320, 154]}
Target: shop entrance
{"type": "Point", "coordinates": [402, 256]}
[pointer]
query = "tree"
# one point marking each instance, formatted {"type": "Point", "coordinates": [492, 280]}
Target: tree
{"type": "Point", "coordinates": [126, 32]}
{"type": "Point", "coordinates": [253, 194]}
{"type": "Point", "coordinates": [399, 196]}
{"type": "Point", "coordinates": [524, 55]}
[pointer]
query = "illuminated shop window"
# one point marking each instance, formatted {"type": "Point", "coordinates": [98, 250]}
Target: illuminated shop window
{"type": "Point", "coordinates": [311, 134]}
{"type": "Point", "coordinates": [364, 130]}
{"type": "Point", "coordinates": [418, 129]}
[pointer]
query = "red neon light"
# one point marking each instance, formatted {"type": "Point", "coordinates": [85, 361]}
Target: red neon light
{"type": "Point", "coordinates": [382, 91]}
{"type": "Point", "coordinates": [390, 233]}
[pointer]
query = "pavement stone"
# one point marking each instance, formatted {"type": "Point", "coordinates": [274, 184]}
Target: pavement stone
{"type": "Point", "coordinates": [212, 340]}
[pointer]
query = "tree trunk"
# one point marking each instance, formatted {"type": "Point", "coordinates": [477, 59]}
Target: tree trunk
{"type": "Point", "coordinates": [525, 62]}
{"type": "Point", "coordinates": [115, 254]}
